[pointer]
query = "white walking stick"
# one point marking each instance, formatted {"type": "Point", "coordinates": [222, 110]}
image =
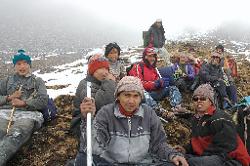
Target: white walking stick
{"type": "Point", "coordinates": [159, 74]}
{"type": "Point", "coordinates": [89, 145]}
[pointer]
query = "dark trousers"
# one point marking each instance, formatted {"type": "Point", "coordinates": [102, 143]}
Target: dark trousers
{"type": "Point", "coordinates": [213, 160]}
{"type": "Point", "coordinates": [18, 135]}
{"type": "Point", "coordinates": [183, 84]}
{"type": "Point", "coordinates": [232, 93]}
{"type": "Point", "coordinates": [81, 159]}
{"type": "Point", "coordinates": [172, 92]}
{"type": "Point", "coordinates": [224, 91]}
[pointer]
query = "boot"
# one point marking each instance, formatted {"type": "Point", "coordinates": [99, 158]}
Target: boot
{"type": "Point", "coordinates": [226, 103]}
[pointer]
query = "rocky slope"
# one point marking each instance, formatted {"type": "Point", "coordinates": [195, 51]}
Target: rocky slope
{"type": "Point", "coordinates": [54, 145]}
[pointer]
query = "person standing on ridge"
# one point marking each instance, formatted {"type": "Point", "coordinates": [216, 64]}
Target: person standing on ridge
{"type": "Point", "coordinates": [155, 37]}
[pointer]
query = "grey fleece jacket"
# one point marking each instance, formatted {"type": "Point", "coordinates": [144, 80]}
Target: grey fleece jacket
{"type": "Point", "coordinates": [101, 91]}
{"type": "Point", "coordinates": [34, 91]}
{"type": "Point", "coordinates": [119, 139]}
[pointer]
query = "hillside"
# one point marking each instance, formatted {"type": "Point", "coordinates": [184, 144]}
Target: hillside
{"type": "Point", "coordinates": [54, 145]}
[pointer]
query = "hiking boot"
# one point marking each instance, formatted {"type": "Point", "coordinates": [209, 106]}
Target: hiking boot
{"type": "Point", "coordinates": [226, 103]}
{"type": "Point", "coordinates": [179, 109]}
{"type": "Point", "coordinates": [182, 112]}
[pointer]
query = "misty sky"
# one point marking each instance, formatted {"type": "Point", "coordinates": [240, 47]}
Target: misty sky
{"type": "Point", "coordinates": [127, 17]}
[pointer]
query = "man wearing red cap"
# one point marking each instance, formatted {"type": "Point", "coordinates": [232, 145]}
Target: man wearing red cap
{"type": "Point", "coordinates": [158, 88]}
{"type": "Point", "coordinates": [102, 88]}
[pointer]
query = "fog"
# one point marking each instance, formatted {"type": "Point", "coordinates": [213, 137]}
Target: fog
{"type": "Point", "coordinates": [74, 24]}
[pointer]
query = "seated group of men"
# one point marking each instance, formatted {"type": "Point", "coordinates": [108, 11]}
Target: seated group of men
{"type": "Point", "coordinates": [126, 130]}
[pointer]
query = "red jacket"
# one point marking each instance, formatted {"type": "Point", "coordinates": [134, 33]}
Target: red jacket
{"type": "Point", "coordinates": [148, 75]}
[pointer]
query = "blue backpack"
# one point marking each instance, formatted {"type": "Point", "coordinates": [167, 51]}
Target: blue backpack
{"type": "Point", "coordinates": [50, 112]}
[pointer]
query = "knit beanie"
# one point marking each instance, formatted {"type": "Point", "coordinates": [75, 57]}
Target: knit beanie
{"type": "Point", "coordinates": [97, 62]}
{"type": "Point", "coordinates": [129, 83]}
{"type": "Point", "coordinates": [21, 56]}
{"type": "Point", "coordinates": [205, 90]}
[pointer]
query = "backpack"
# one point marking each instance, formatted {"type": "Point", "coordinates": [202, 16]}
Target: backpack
{"type": "Point", "coordinates": [241, 116]}
{"type": "Point", "coordinates": [131, 66]}
{"type": "Point", "coordinates": [146, 38]}
{"type": "Point", "coordinates": [50, 111]}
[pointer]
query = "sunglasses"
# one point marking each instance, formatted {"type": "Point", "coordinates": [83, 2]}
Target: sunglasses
{"type": "Point", "coordinates": [196, 98]}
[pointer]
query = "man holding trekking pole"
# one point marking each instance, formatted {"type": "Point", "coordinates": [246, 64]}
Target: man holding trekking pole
{"type": "Point", "coordinates": [126, 132]}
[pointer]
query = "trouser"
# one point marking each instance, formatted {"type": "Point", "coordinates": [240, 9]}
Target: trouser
{"type": "Point", "coordinates": [184, 85]}
{"type": "Point", "coordinates": [81, 159]}
{"type": "Point", "coordinates": [213, 160]}
{"type": "Point", "coordinates": [148, 99]}
{"type": "Point", "coordinates": [163, 53]}
{"type": "Point", "coordinates": [18, 135]}
{"type": "Point", "coordinates": [229, 92]}
{"type": "Point", "coordinates": [232, 93]}
{"type": "Point", "coordinates": [220, 87]}
{"type": "Point", "coordinates": [172, 92]}
{"type": "Point", "coordinates": [196, 83]}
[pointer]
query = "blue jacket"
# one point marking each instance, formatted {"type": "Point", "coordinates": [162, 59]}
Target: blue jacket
{"type": "Point", "coordinates": [170, 71]}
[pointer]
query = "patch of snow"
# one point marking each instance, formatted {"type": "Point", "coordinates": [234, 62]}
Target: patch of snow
{"type": "Point", "coordinates": [68, 74]}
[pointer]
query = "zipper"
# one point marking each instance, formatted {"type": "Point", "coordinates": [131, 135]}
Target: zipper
{"type": "Point", "coordinates": [129, 135]}
{"type": "Point", "coordinates": [129, 127]}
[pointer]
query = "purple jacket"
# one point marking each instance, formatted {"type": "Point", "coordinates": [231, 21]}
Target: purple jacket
{"type": "Point", "coordinates": [170, 71]}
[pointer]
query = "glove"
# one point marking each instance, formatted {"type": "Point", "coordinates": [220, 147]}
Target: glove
{"type": "Point", "coordinates": [165, 82]}
{"type": "Point", "coordinates": [158, 84]}
{"type": "Point", "coordinates": [161, 83]}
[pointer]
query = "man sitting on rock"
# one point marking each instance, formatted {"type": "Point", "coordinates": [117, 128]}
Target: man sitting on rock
{"type": "Point", "coordinates": [102, 88]}
{"type": "Point", "coordinates": [126, 132]}
{"type": "Point", "coordinates": [214, 74]}
{"type": "Point", "coordinates": [24, 94]}
{"type": "Point", "coordinates": [158, 87]}
{"type": "Point", "coordinates": [214, 137]}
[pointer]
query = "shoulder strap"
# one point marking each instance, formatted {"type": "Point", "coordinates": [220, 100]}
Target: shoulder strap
{"type": "Point", "coordinates": [34, 81]}
{"type": "Point", "coordinates": [142, 69]}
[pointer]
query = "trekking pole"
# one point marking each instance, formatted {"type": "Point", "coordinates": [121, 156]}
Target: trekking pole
{"type": "Point", "coordinates": [89, 145]}
{"type": "Point", "coordinates": [245, 131]}
{"type": "Point", "coordinates": [245, 126]}
{"type": "Point", "coordinates": [159, 74]}
{"type": "Point", "coordinates": [11, 119]}
{"type": "Point", "coordinates": [12, 115]}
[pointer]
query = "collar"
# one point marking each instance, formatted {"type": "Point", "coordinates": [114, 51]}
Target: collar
{"type": "Point", "coordinates": [124, 112]}
{"type": "Point", "coordinates": [26, 76]}
{"type": "Point", "coordinates": [91, 78]}
{"type": "Point", "coordinates": [210, 110]}
{"type": "Point", "coordinates": [117, 113]}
